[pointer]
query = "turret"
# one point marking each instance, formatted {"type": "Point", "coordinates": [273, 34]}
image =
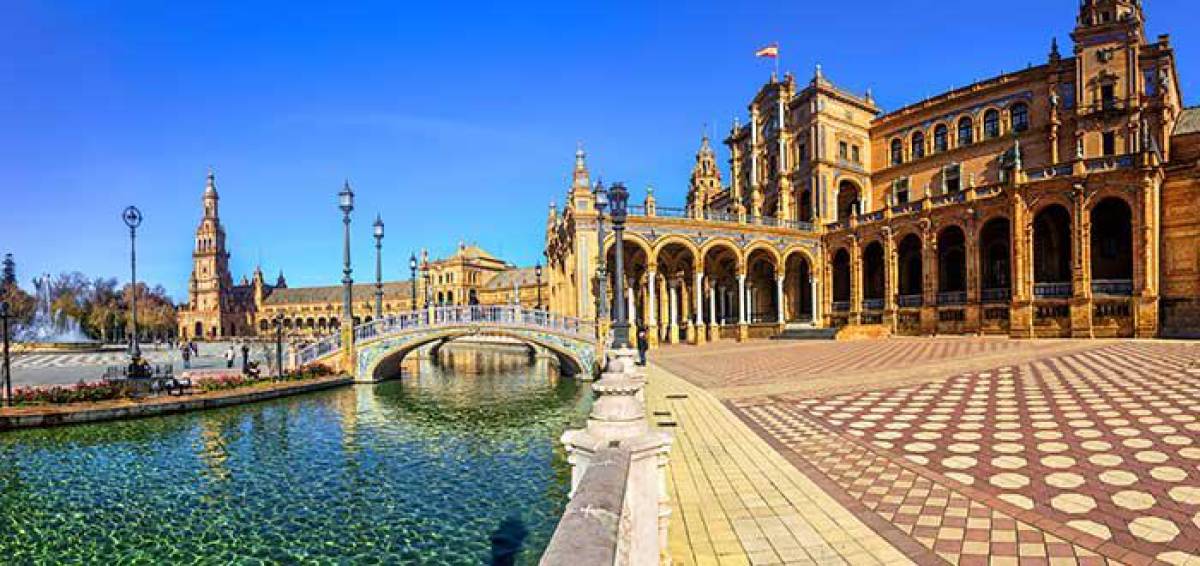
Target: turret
{"type": "Point", "coordinates": [705, 183]}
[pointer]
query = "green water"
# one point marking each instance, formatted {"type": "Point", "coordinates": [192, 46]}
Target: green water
{"type": "Point", "coordinates": [416, 471]}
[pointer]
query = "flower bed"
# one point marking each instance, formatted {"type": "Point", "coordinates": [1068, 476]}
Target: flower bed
{"type": "Point", "coordinates": [105, 390]}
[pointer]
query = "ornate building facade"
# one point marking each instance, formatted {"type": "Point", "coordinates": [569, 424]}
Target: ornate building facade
{"type": "Point", "coordinates": [219, 309]}
{"type": "Point", "coordinates": [1056, 201]}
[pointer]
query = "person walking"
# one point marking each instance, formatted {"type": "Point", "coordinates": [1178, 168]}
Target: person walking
{"type": "Point", "coordinates": [229, 356]}
{"type": "Point", "coordinates": [643, 344]}
{"type": "Point", "coordinates": [245, 356]}
{"type": "Point", "coordinates": [186, 353]}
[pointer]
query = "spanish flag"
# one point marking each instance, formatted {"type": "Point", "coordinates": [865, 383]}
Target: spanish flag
{"type": "Point", "coordinates": [771, 51]}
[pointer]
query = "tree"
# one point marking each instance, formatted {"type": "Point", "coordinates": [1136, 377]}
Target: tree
{"type": "Point", "coordinates": [9, 274]}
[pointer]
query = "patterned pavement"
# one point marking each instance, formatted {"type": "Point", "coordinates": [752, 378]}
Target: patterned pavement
{"type": "Point", "coordinates": [1078, 457]}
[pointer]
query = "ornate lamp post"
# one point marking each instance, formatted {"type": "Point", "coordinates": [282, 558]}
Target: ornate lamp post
{"type": "Point", "coordinates": [279, 343]}
{"type": "Point", "coordinates": [346, 203]}
{"type": "Point", "coordinates": [537, 272]}
{"type": "Point", "coordinates": [601, 275]}
{"type": "Point", "coordinates": [412, 268]}
{"type": "Point", "coordinates": [618, 199]}
{"type": "Point", "coordinates": [378, 267]}
{"type": "Point", "coordinates": [4, 316]}
{"type": "Point", "coordinates": [133, 218]}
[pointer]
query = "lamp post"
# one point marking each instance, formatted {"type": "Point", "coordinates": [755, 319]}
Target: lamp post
{"type": "Point", "coordinates": [4, 316]}
{"type": "Point", "coordinates": [537, 272]}
{"type": "Point", "coordinates": [346, 203]}
{"type": "Point", "coordinates": [279, 344]}
{"type": "Point", "coordinates": [378, 267]}
{"type": "Point", "coordinates": [133, 218]}
{"type": "Point", "coordinates": [412, 268]}
{"type": "Point", "coordinates": [601, 275]}
{"type": "Point", "coordinates": [618, 199]}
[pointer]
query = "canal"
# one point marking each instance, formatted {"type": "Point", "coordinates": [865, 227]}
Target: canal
{"type": "Point", "coordinates": [418, 470]}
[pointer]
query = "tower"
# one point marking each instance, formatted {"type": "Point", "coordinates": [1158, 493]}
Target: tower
{"type": "Point", "coordinates": [1108, 36]}
{"type": "Point", "coordinates": [210, 282]}
{"type": "Point", "coordinates": [705, 183]}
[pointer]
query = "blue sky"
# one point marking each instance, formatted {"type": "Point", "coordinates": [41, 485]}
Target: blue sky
{"type": "Point", "coordinates": [454, 120]}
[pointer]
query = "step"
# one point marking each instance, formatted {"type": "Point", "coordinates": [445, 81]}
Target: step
{"type": "Point", "coordinates": [806, 334]}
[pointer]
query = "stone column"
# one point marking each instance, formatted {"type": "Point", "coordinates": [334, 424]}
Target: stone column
{"type": "Point", "coordinates": [651, 307]}
{"type": "Point", "coordinates": [632, 301]}
{"type": "Point", "coordinates": [673, 321]}
{"type": "Point", "coordinates": [779, 299]}
{"type": "Point", "coordinates": [714, 327]}
{"type": "Point", "coordinates": [1081, 300]}
{"type": "Point", "coordinates": [699, 331]}
{"type": "Point", "coordinates": [743, 322]}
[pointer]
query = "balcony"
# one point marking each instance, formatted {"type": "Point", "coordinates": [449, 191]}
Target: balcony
{"type": "Point", "coordinates": [873, 304]}
{"type": "Point", "coordinates": [908, 208]}
{"type": "Point", "coordinates": [952, 298]}
{"type": "Point", "coordinates": [1110, 163]}
{"type": "Point", "coordinates": [996, 295]}
{"type": "Point", "coordinates": [1113, 287]}
{"type": "Point", "coordinates": [841, 306]}
{"type": "Point", "coordinates": [909, 301]}
{"type": "Point", "coordinates": [1058, 290]}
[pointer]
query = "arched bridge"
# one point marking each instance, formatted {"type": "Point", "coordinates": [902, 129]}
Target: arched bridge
{"type": "Point", "coordinates": [390, 338]}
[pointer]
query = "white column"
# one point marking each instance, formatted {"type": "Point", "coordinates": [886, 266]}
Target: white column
{"type": "Point", "coordinates": [699, 292]}
{"type": "Point", "coordinates": [816, 300]}
{"type": "Point", "coordinates": [673, 305]}
{"type": "Point", "coordinates": [651, 314]}
{"type": "Point", "coordinates": [712, 306]}
{"type": "Point", "coordinates": [741, 299]}
{"type": "Point", "coordinates": [779, 297]}
{"type": "Point", "coordinates": [632, 310]}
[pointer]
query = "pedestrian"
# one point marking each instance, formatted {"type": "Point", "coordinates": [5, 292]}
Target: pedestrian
{"type": "Point", "coordinates": [643, 344]}
{"type": "Point", "coordinates": [245, 355]}
{"type": "Point", "coordinates": [229, 356]}
{"type": "Point", "coordinates": [186, 352]}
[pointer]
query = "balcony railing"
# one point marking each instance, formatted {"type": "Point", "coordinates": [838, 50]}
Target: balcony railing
{"type": "Point", "coordinates": [996, 295]}
{"type": "Point", "coordinates": [909, 301]}
{"type": "Point", "coordinates": [1109, 163]}
{"type": "Point", "coordinates": [1113, 287]}
{"type": "Point", "coordinates": [841, 306]}
{"type": "Point", "coordinates": [952, 298]}
{"type": "Point", "coordinates": [1057, 290]}
{"type": "Point", "coordinates": [670, 212]}
{"type": "Point", "coordinates": [716, 216]}
{"type": "Point", "coordinates": [908, 208]}
{"type": "Point", "coordinates": [873, 304]}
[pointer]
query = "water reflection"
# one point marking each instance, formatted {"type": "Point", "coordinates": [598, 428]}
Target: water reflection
{"type": "Point", "coordinates": [425, 470]}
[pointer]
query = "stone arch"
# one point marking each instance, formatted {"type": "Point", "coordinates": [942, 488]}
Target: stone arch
{"type": "Point", "coordinates": [840, 288]}
{"type": "Point", "coordinates": [874, 275]}
{"type": "Point", "coordinates": [1052, 250]}
{"type": "Point", "coordinates": [910, 266]}
{"type": "Point", "coordinates": [1111, 221]}
{"type": "Point", "coordinates": [380, 355]}
{"type": "Point", "coordinates": [995, 258]}
{"type": "Point", "coordinates": [721, 242]}
{"type": "Point", "coordinates": [952, 260]}
{"type": "Point", "coordinates": [665, 241]}
{"type": "Point", "coordinates": [629, 238]}
{"type": "Point", "coordinates": [764, 246]}
{"type": "Point", "coordinates": [849, 198]}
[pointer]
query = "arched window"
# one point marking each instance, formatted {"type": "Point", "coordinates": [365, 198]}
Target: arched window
{"type": "Point", "coordinates": [941, 138]}
{"type": "Point", "coordinates": [897, 152]}
{"type": "Point", "coordinates": [966, 132]}
{"type": "Point", "coordinates": [1020, 117]}
{"type": "Point", "coordinates": [918, 145]}
{"type": "Point", "coordinates": [991, 124]}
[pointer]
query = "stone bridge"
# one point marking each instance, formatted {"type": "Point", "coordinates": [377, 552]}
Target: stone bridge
{"type": "Point", "coordinates": [380, 345]}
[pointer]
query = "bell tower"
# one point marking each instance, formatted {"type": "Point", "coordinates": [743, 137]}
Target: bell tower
{"type": "Point", "coordinates": [705, 183]}
{"type": "Point", "coordinates": [210, 279]}
{"type": "Point", "coordinates": [1108, 35]}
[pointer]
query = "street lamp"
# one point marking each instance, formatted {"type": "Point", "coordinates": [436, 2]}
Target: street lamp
{"type": "Point", "coordinates": [619, 198]}
{"type": "Point", "coordinates": [4, 316]}
{"type": "Point", "coordinates": [601, 276]}
{"type": "Point", "coordinates": [537, 272]}
{"type": "Point", "coordinates": [279, 344]}
{"type": "Point", "coordinates": [346, 203]}
{"type": "Point", "coordinates": [412, 267]}
{"type": "Point", "coordinates": [378, 267]}
{"type": "Point", "coordinates": [133, 218]}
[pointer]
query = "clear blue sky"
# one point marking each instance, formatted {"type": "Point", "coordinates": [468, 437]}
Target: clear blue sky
{"type": "Point", "coordinates": [455, 120]}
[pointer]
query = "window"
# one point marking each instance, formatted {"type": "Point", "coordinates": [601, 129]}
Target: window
{"type": "Point", "coordinates": [918, 145]}
{"type": "Point", "coordinates": [941, 138]}
{"type": "Point", "coordinates": [803, 153]}
{"type": "Point", "coordinates": [855, 154]}
{"type": "Point", "coordinates": [1151, 81]}
{"type": "Point", "coordinates": [952, 178]}
{"type": "Point", "coordinates": [991, 124]}
{"type": "Point", "coordinates": [1067, 92]}
{"type": "Point", "coordinates": [1020, 117]}
{"type": "Point", "coordinates": [1108, 98]}
{"type": "Point", "coordinates": [1110, 143]}
{"type": "Point", "coordinates": [843, 150]}
{"type": "Point", "coordinates": [966, 132]}
{"type": "Point", "coordinates": [900, 191]}
{"type": "Point", "coordinates": [897, 152]}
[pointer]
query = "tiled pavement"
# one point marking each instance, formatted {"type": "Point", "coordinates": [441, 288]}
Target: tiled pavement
{"type": "Point", "coordinates": [735, 500]}
{"type": "Point", "coordinates": [1082, 456]}
{"type": "Point", "coordinates": [730, 370]}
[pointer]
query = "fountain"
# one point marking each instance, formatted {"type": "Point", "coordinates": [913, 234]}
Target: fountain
{"type": "Point", "coordinates": [49, 333]}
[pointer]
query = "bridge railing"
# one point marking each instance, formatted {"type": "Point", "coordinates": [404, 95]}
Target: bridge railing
{"type": "Point", "coordinates": [505, 316]}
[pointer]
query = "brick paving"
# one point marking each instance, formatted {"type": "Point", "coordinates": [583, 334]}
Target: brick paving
{"type": "Point", "coordinates": [1065, 455]}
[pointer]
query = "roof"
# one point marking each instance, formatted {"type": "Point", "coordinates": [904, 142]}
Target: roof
{"type": "Point", "coordinates": [332, 294]}
{"type": "Point", "coordinates": [1189, 121]}
{"type": "Point", "coordinates": [523, 277]}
